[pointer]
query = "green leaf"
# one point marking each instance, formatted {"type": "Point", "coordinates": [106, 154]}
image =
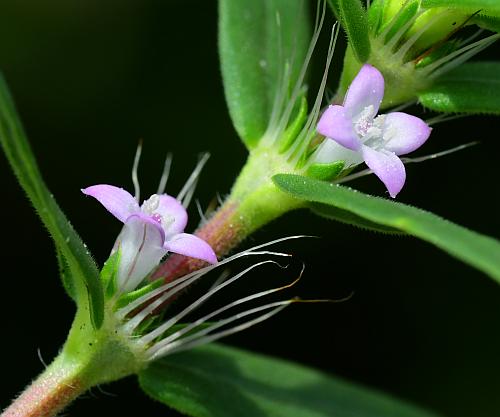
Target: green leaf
{"type": "Point", "coordinates": [258, 40]}
{"type": "Point", "coordinates": [347, 217]}
{"type": "Point", "coordinates": [219, 381]}
{"type": "Point", "coordinates": [480, 251]}
{"type": "Point", "coordinates": [487, 7]}
{"type": "Point", "coordinates": [81, 277]}
{"type": "Point", "coordinates": [353, 18]}
{"type": "Point", "coordinates": [487, 22]}
{"type": "Point", "coordinates": [473, 87]}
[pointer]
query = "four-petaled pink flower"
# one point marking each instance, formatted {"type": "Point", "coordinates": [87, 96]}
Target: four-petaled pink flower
{"type": "Point", "coordinates": [375, 140]}
{"type": "Point", "coordinates": [150, 232]}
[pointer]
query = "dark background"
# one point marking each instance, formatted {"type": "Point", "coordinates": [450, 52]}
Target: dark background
{"type": "Point", "coordinates": [92, 77]}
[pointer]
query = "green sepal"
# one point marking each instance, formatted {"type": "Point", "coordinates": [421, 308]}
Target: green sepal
{"type": "Point", "coordinates": [109, 274]}
{"type": "Point", "coordinates": [85, 286]}
{"type": "Point", "coordinates": [353, 18]}
{"type": "Point", "coordinates": [217, 380]}
{"type": "Point", "coordinates": [397, 22]}
{"type": "Point", "coordinates": [127, 298]}
{"type": "Point", "coordinates": [445, 49]}
{"type": "Point", "coordinates": [325, 172]}
{"type": "Point", "coordinates": [347, 217]}
{"type": "Point", "coordinates": [375, 14]}
{"type": "Point", "coordinates": [479, 251]}
{"type": "Point", "coordinates": [295, 127]}
{"type": "Point", "coordinates": [473, 87]}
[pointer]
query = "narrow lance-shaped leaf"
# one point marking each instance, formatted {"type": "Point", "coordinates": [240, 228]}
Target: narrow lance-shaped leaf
{"type": "Point", "coordinates": [480, 251]}
{"type": "Point", "coordinates": [347, 217]}
{"type": "Point", "coordinates": [81, 279]}
{"type": "Point", "coordinates": [261, 43]}
{"type": "Point", "coordinates": [353, 18]}
{"type": "Point", "coordinates": [473, 87]}
{"type": "Point", "coordinates": [217, 380]}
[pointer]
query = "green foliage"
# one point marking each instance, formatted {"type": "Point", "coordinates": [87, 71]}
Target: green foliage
{"type": "Point", "coordinates": [109, 274]}
{"type": "Point", "coordinates": [353, 18]}
{"type": "Point", "coordinates": [409, 11]}
{"type": "Point", "coordinates": [347, 217]}
{"type": "Point", "coordinates": [487, 7]}
{"type": "Point", "coordinates": [478, 250]}
{"type": "Point", "coordinates": [375, 14]}
{"type": "Point", "coordinates": [326, 171]}
{"type": "Point", "coordinates": [220, 381]}
{"type": "Point", "coordinates": [133, 295]}
{"type": "Point", "coordinates": [260, 43]}
{"type": "Point", "coordinates": [79, 272]}
{"type": "Point", "coordinates": [294, 128]}
{"type": "Point", "coordinates": [473, 87]}
{"type": "Point", "coordinates": [487, 22]}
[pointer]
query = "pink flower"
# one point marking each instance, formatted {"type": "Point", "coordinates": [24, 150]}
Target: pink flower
{"type": "Point", "coordinates": [376, 140]}
{"type": "Point", "coordinates": [150, 231]}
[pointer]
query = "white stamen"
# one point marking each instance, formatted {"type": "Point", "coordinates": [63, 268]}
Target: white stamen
{"type": "Point", "coordinates": [165, 174]}
{"type": "Point", "coordinates": [135, 180]}
{"type": "Point", "coordinates": [191, 182]}
{"type": "Point", "coordinates": [200, 211]}
{"type": "Point", "coordinates": [302, 140]}
{"type": "Point", "coordinates": [439, 154]}
{"type": "Point", "coordinates": [275, 129]}
{"type": "Point", "coordinates": [169, 323]}
{"type": "Point", "coordinates": [455, 58]}
{"type": "Point", "coordinates": [406, 161]}
{"type": "Point", "coordinates": [215, 313]}
{"type": "Point", "coordinates": [195, 340]}
{"type": "Point", "coordinates": [151, 204]}
{"type": "Point", "coordinates": [125, 311]}
{"type": "Point", "coordinates": [364, 120]}
{"type": "Point", "coordinates": [391, 24]}
{"type": "Point", "coordinates": [401, 52]}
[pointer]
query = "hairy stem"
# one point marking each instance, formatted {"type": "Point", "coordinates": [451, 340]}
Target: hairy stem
{"type": "Point", "coordinates": [50, 393]}
{"type": "Point", "coordinates": [254, 201]}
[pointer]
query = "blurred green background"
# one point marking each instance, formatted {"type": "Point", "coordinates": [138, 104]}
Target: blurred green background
{"type": "Point", "coordinates": [92, 77]}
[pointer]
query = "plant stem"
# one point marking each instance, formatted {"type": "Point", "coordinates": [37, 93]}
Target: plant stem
{"type": "Point", "coordinates": [89, 357]}
{"type": "Point", "coordinates": [51, 392]}
{"type": "Point", "coordinates": [254, 201]}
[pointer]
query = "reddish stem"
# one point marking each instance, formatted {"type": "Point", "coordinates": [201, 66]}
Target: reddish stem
{"type": "Point", "coordinates": [222, 232]}
{"type": "Point", "coordinates": [47, 395]}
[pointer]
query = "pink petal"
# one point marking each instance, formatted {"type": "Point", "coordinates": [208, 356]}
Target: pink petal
{"type": "Point", "coordinates": [388, 167]}
{"type": "Point", "coordinates": [146, 218]}
{"type": "Point", "coordinates": [116, 200]}
{"type": "Point", "coordinates": [192, 246]}
{"type": "Point", "coordinates": [367, 89]}
{"type": "Point", "coordinates": [171, 208]}
{"type": "Point", "coordinates": [336, 124]}
{"type": "Point", "coordinates": [141, 249]}
{"type": "Point", "coordinates": [403, 133]}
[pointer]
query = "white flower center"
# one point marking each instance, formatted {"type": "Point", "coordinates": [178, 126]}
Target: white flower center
{"type": "Point", "coordinates": [364, 120]}
{"type": "Point", "coordinates": [370, 130]}
{"type": "Point", "coordinates": [151, 204]}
